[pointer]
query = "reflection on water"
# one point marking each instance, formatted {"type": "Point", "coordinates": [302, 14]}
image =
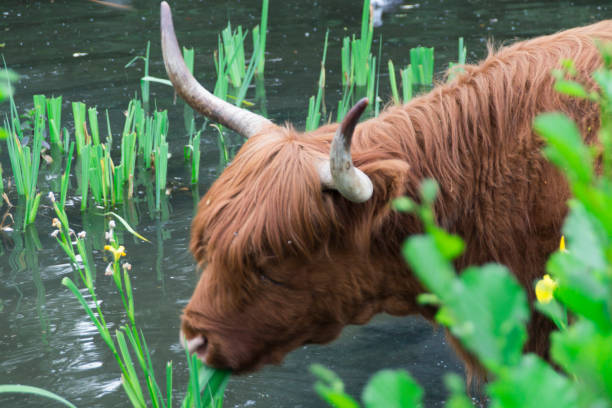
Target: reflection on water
{"type": "Point", "coordinates": [46, 339]}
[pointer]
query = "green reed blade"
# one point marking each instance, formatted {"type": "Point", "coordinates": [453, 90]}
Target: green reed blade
{"type": "Point", "coordinates": [248, 76]}
{"type": "Point", "coordinates": [313, 118]}
{"type": "Point", "coordinates": [422, 61]}
{"type": "Point", "coordinates": [259, 37]}
{"type": "Point", "coordinates": [377, 99]}
{"type": "Point", "coordinates": [233, 43]}
{"type": "Point", "coordinates": [169, 384]}
{"type": "Point", "coordinates": [195, 158]}
{"type": "Point", "coordinates": [129, 373]}
{"type": "Point", "coordinates": [66, 139]}
{"type": "Point", "coordinates": [394, 92]}
{"type": "Point", "coordinates": [54, 114]}
{"type": "Point", "coordinates": [406, 75]}
{"type": "Point", "coordinates": [84, 176]}
{"type": "Point", "coordinates": [144, 85]}
{"type": "Point", "coordinates": [78, 112]}
{"type": "Point", "coordinates": [188, 116]}
{"type": "Point", "coordinates": [161, 169]}
{"type": "Point", "coordinates": [26, 389]}
{"type": "Point", "coordinates": [93, 125]}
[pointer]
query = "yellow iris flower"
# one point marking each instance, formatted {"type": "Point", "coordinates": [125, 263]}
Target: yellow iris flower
{"type": "Point", "coordinates": [562, 244]}
{"type": "Point", "coordinates": [117, 252]}
{"type": "Point", "coordinates": [544, 289]}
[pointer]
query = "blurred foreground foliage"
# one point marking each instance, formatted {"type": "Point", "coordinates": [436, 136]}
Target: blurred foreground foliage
{"type": "Point", "coordinates": [486, 308]}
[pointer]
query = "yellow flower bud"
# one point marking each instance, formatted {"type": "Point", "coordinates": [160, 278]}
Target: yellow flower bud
{"type": "Point", "coordinates": [562, 244]}
{"type": "Point", "coordinates": [544, 289]}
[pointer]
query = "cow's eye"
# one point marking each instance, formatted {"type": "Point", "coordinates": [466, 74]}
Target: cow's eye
{"type": "Point", "coordinates": [263, 276]}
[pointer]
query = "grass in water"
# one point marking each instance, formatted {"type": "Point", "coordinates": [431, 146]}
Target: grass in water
{"type": "Point", "coordinates": [128, 344]}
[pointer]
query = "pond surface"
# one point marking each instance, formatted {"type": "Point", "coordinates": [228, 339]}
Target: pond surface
{"type": "Point", "coordinates": [78, 49]}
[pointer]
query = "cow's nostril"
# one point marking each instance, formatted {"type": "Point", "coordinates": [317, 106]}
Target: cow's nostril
{"type": "Point", "coordinates": [197, 343]}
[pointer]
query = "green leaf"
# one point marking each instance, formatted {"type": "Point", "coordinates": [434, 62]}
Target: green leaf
{"type": "Point", "coordinates": [26, 389]}
{"type": "Point", "coordinates": [429, 191]}
{"type": "Point", "coordinates": [532, 384]}
{"type": "Point", "coordinates": [456, 387]}
{"type": "Point", "coordinates": [450, 246]}
{"type": "Point", "coordinates": [331, 388]}
{"type": "Point", "coordinates": [585, 352]}
{"type": "Point", "coordinates": [565, 147]}
{"type": "Point", "coordinates": [571, 88]}
{"type": "Point", "coordinates": [554, 311]}
{"type": "Point", "coordinates": [404, 204]}
{"type": "Point", "coordinates": [489, 311]}
{"type": "Point", "coordinates": [579, 290]}
{"type": "Point", "coordinates": [126, 225]}
{"type": "Point", "coordinates": [586, 237]}
{"type": "Point", "coordinates": [392, 388]}
{"type": "Point", "coordinates": [430, 266]}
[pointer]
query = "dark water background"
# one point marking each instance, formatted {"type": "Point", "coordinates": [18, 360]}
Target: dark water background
{"type": "Point", "coordinates": [46, 340]}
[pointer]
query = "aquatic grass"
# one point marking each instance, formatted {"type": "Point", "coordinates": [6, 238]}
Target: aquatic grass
{"type": "Point", "coordinates": [393, 83]}
{"type": "Point", "coordinates": [406, 77]}
{"type": "Point", "coordinates": [192, 151]}
{"type": "Point", "coordinates": [233, 45]}
{"type": "Point", "coordinates": [25, 161]}
{"type": "Point", "coordinates": [35, 391]}
{"type": "Point", "coordinates": [260, 33]}
{"type": "Point", "coordinates": [455, 68]}
{"type": "Point", "coordinates": [80, 127]}
{"type": "Point", "coordinates": [315, 109]}
{"type": "Point", "coordinates": [54, 116]}
{"type": "Point", "coordinates": [358, 64]}
{"type": "Point", "coordinates": [128, 345]}
{"type": "Point", "coordinates": [422, 63]}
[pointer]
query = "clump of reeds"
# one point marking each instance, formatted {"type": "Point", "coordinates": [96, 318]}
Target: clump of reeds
{"type": "Point", "coordinates": [25, 159]}
{"type": "Point", "coordinates": [206, 385]}
{"type": "Point", "coordinates": [358, 64]}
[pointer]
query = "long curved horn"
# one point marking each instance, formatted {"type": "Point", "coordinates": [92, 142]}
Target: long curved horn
{"type": "Point", "coordinates": [339, 173]}
{"type": "Point", "coordinates": [242, 121]}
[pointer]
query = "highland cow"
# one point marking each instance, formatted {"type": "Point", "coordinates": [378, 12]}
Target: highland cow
{"type": "Point", "coordinates": [297, 238]}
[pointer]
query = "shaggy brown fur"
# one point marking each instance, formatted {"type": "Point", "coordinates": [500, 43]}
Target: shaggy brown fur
{"type": "Point", "coordinates": [286, 263]}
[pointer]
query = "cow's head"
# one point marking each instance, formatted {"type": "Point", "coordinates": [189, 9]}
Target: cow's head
{"type": "Point", "coordinates": [284, 235]}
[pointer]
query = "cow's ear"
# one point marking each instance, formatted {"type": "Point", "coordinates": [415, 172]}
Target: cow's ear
{"type": "Point", "coordinates": [390, 178]}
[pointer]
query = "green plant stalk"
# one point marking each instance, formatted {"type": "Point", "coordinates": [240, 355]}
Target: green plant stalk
{"type": "Point", "coordinates": [26, 389]}
{"type": "Point", "coordinates": [93, 125]}
{"type": "Point", "coordinates": [233, 43]}
{"type": "Point", "coordinates": [248, 76]}
{"type": "Point", "coordinates": [54, 113]}
{"type": "Point", "coordinates": [188, 116]}
{"type": "Point", "coordinates": [394, 92]}
{"type": "Point", "coordinates": [66, 176]}
{"type": "Point", "coordinates": [406, 75]}
{"type": "Point", "coordinates": [195, 158]}
{"type": "Point", "coordinates": [84, 156]}
{"type": "Point", "coordinates": [314, 107]}
{"type": "Point", "coordinates": [32, 164]}
{"type": "Point", "coordinates": [422, 62]}
{"type": "Point", "coordinates": [161, 169]}
{"type": "Point", "coordinates": [260, 33]}
{"type": "Point", "coordinates": [80, 127]}
{"type": "Point", "coordinates": [144, 85]}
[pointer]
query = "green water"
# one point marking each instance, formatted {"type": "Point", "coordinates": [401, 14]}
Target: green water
{"type": "Point", "coordinates": [78, 49]}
